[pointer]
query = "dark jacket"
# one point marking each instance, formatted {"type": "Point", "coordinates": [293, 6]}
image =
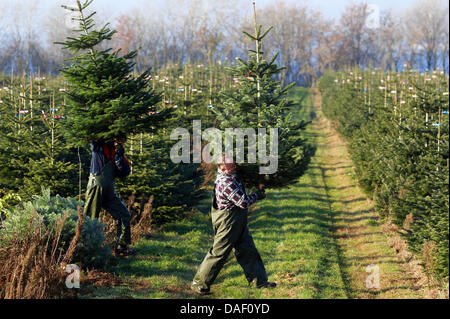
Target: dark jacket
{"type": "Point", "coordinates": [123, 168]}
{"type": "Point", "coordinates": [103, 153]}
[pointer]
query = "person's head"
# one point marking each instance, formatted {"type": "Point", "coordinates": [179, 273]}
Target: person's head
{"type": "Point", "coordinates": [120, 140]}
{"type": "Point", "coordinates": [227, 165]}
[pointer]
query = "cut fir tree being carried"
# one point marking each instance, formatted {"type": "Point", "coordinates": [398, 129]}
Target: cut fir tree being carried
{"type": "Point", "coordinates": [105, 99]}
{"type": "Point", "coordinates": [260, 102]}
{"type": "Point", "coordinates": [107, 102]}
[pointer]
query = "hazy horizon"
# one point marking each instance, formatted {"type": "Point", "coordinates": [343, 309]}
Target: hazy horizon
{"type": "Point", "coordinates": [330, 8]}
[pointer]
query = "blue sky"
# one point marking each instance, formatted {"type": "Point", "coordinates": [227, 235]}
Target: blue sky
{"type": "Point", "coordinates": [334, 8]}
{"type": "Point", "coordinates": [330, 8]}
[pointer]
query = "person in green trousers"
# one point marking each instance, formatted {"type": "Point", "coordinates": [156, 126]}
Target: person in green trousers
{"type": "Point", "coordinates": [229, 219]}
{"type": "Point", "coordinates": [107, 163]}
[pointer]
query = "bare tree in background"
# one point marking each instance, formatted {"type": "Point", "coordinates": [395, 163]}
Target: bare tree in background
{"type": "Point", "coordinates": [282, 37]}
{"type": "Point", "coordinates": [206, 27]}
{"type": "Point", "coordinates": [389, 42]}
{"type": "Point", "coordinates": [125, 33]}
{"type": "Point", "coordinates": [181, 31]}
{"type": "Point", "coordinates": [22, 48]}
{"type": "Point", "coordinates": [295, 37]}
{"type": "Point", "coordinates": [355, 33]}
{"type": "Point", "coordinates": [329, 52]}
{"type": "Point", "coordinates": [147, 37]}
{"type": "Point", "coordinates": [3, 26]}
{"type": "Point", "coordinates": [234, 43]}
{"type": "Point", "coordinates": [445, 42]}
{"type": "Point", "coordinates": [425, 28]}
{"type": "Point", "coordinates": [56, 30]}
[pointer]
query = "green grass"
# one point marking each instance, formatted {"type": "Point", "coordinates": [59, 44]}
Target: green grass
{"type": "Point", "coordinates": [315, 237]}
{"type": "Point", "coordinates": [360, 234]}
{"type": "Point", "coordinates": [304, 109]}
{"type": "Point", "coordinates": [291, 229]}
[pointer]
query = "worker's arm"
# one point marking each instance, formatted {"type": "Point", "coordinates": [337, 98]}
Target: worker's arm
{"type": "Point", "coordinates": [122, 164]}
{"type": "Point", "coordinates": [236, 194]}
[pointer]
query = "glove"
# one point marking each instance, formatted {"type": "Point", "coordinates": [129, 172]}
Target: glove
{"type": "Point", "coordinates": [260, 194]}
{"type": "Point", "coordinates": [120, 152]}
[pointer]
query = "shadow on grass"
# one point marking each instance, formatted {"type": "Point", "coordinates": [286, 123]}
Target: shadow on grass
{"type": "Point", "coordinates": [176, 253]}
{"type": "Point", "coordinates": [358, 235]}
{"type": "Point", "coordinates": [301, 196]}
{"type": "Point", "coordinates": [320, 186]}
{"type": "Point", "coordinates": [358, 219]}
{"type": "Point", "coordinates": [332, 168]}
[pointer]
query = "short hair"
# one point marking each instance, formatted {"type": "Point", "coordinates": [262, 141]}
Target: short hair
{"type": "Point", "coordinates": [224, 159]}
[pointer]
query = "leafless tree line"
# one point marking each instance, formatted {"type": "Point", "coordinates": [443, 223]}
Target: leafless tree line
{"type": "Point", "coordinates": [205, 31]}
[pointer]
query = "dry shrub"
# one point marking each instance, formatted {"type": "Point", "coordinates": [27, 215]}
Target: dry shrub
{"type": "Point", "coordinates": [142, 226]}
{"type": "Point", "coordinates": [34, 267]}
{"type": "Point", "coordinates": [110, 226]}
{"type": "Point", "coordinates": [100, 279]}
{"type": "Point", "coordinates": [416, 268]}
{"type": "Point", "coordinates": [429, 253]}
{"type": "Point", "coordinates": [141, 219]}
{"type": "Point", "coordinates": [400, 246]}
{"type": "Point", "coordinates": [408, 221]}
{"type": "Point", "coordinates": [402, 193]}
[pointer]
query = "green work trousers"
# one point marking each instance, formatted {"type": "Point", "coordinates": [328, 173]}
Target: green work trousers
{"type": "Point", "coordinates": [100, 194]}
{"type": "Point", "coordinates": [230, 231]}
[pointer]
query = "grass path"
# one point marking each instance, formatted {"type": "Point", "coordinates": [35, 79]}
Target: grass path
{"type": "Point", "coordinates": [316, 239]}
{"type": "Point", "coordinates": [362, 239]}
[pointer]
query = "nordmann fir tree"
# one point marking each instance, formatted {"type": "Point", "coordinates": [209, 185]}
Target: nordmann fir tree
{"type": "Point", "coordinates": [14, 147]}
{"type": "Point", "coordinates": [261, 102]}
{"type": "Point", "coordinates": [105, 100]}
{"type": "Point", "coordinates": [400, 152]}
{"type": "Point", "coordinates": [32, 149]}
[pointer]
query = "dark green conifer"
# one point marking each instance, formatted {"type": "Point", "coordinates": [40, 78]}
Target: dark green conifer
{"type": "Point", "coordinates": [105, 99]}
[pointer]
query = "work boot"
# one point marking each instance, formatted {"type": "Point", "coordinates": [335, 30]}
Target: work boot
{"type": "Point", "coordinates": [258, 285]}
{"type": "Point", "coordinates": [267, 285]}
{"type": "Point", "coordinates": [200, 290]}
{"type": "Point", "coordinates": [120, 250]}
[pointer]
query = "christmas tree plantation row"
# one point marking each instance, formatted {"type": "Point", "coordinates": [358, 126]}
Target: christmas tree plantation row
{"type": "Point", "coordinates": [35, 152]}
{"type": "Point", "coordinates": [397, 128]}
{"type": "Point", "coordinates": [46, 126]}
{"type": "Point", "coordinates": [45, 134]}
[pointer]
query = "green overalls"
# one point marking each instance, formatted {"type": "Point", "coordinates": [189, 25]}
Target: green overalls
{"type": "Point", "coordinates": [230, 231]}
{"type": "Point", "coordinates": [100, 194]}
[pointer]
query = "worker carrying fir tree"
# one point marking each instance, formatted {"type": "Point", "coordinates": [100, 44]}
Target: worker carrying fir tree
{"type": "Point", "coordinates": [229, 219]}
{"type": "Point", "coordinates": [108, 162]}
